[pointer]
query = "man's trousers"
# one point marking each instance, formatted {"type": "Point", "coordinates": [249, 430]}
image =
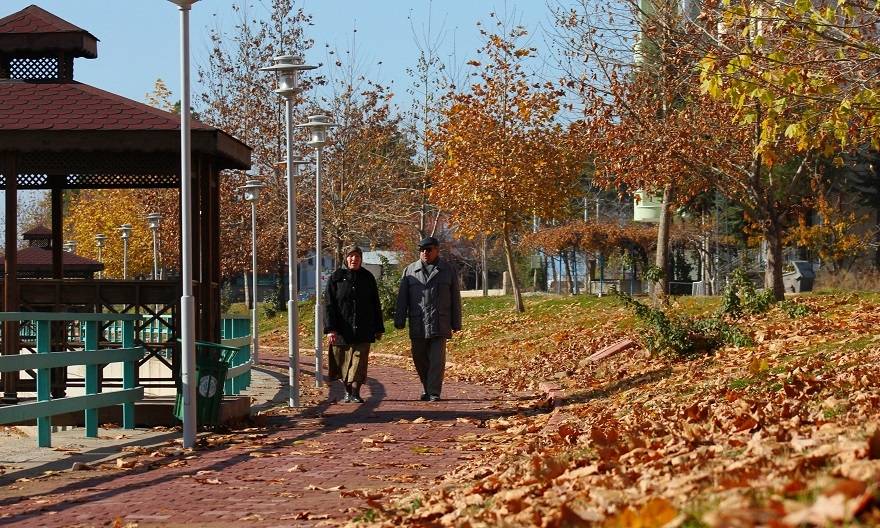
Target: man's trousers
{"type": "Point", "coordinates": [429, 356]}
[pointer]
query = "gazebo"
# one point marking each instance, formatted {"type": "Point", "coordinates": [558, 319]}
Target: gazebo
{"type": "Point", "coordinates": [35, 260]}
{"type": "Point", "coordinates": [57, 134]}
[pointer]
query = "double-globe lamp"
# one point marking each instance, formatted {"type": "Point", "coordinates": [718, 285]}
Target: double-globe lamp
{"type": "Point", "coordinates": [318, 126]}
{"type": "Point", "coordinates": [288, 68]}
{"type": "Point", "coordinates": [125, 234]}
{"type": "Point", "coordinates": [100, 241]}
{"type": "Point", "coordinates": [153, 220]}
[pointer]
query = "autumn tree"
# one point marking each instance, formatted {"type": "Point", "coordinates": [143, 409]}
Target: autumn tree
{"type": "Point", "coordinates": [504, 159]}
{"type": "Point", "coordinates": [365, 159]}
{"type": "Point", "coordinates": [638, 117]}
{"type": "Point", "coordinates": [429, 85]}
{"type": "Point", "coordinates": [697, 140]}
{"type": "Point", "coordinates": [237, 97]}
{"type": "Point", "coordinates": [790, 75]}
{"type": "Point", "coordinates": [93, 211]}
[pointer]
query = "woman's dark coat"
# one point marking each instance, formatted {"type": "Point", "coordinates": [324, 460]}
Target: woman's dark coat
{"type": "Point", "coordinates": [352, 307]}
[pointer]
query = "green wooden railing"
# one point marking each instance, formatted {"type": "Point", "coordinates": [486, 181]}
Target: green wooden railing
{"type": "Point", "coordinates": [236, 342]}
{"type": "Point", "coordinates": [45, 359]}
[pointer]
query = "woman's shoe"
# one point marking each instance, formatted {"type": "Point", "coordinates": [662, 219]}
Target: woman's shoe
{"type": "Point", "coordinates": [347, 398]}
{"type": "Point", "coordinates": [357, 398]}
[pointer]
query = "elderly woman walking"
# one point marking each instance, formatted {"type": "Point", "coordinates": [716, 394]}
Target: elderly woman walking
{"type": "Point", "coordinates": [353, 320]}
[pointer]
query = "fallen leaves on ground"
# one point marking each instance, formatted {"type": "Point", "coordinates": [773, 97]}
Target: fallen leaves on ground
{"type": "Point", "coordinates": [782, 433]}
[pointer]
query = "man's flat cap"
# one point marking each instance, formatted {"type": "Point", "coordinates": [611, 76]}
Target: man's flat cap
{"type": "Point", "coordinates": [428, 242]}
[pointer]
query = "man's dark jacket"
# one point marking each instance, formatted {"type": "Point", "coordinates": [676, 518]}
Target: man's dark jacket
{"type": "Point", "coordinates": [352, 306]}
{"type": "Point", "coordinates": [431, 303]}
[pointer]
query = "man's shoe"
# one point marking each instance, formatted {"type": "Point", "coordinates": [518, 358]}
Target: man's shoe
{"type": "Point", "coordinates": [347, 398]}
{"type": "Point", "coordinates": [424, 396]}
{"type": "Point", "coordinates": [433, 398]}
{"type": "Point", "coordinates": [357, 399]}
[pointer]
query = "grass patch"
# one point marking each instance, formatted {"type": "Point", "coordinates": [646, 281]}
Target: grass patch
{"type": "Point", "coordinates": [740, 383]}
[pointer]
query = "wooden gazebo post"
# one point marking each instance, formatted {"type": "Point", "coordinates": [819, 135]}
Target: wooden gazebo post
{"type": "Point", "coordinates": [10, 295]}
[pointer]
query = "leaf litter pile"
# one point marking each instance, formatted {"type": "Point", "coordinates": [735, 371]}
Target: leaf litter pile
{"type": "Point", "coordinates": [780, 433]}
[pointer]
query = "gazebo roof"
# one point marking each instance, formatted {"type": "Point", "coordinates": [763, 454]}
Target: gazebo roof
{"type": "Point", "coordinates": [71, 116]}
{"type": "Point", "coordinates": [77, 106]}
{"type": "Point", "coordinates": [66, 134]}
{"type": "Point", "coordinates": [40, 259]}
{"type": "Point", "coordinates": [33, 29]}
{"type": "Point", "coordinates": [39, 231]}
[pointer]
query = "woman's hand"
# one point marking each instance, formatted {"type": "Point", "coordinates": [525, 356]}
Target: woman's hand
{"type": "Point", "coordinates": [379, 336]}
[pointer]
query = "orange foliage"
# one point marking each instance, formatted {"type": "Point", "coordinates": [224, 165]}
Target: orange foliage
{"type": "Point", "coordinates": [590, 236]}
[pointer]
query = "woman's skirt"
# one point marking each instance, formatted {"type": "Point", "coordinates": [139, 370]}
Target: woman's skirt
{"type": "Point", "coordinates": [349, 362]}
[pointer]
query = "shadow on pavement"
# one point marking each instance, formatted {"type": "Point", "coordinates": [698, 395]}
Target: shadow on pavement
{"type": "Point", "coordinates": [367, 412]}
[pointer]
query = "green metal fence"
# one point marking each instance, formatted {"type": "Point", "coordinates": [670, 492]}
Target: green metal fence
{"type": "Point", "coordinates": [45, 359]}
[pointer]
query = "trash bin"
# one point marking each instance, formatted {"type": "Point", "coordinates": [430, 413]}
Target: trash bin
{"type": "Point", "coordinates": [211, 366]}
{"type": "Point", "coordinates": [798, 276]}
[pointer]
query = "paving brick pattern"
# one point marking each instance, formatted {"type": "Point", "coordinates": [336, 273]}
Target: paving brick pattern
{"type": "Point", "coordinates": [286, 473]}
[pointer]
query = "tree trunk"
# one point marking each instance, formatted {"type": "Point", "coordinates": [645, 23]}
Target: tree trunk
{"type": "Point", "coordinates": [877, 240]}
{"type": "Point", "coordinates": [508, 254]}
{"type": "Point", "coordinates": [661, 288]}
{"type": "Point", "coordinates": [564, 256]}
{"type": "Point", "coordinates": [773, 272]}
{"type": "Point", "coordinates": [553, 270]}
{"type": "Point", "coordinates": [574, 271]}
{"type": "Point", "coordinates": [589, 269]}
{"type": "Point", "coordinates": [484, 267]}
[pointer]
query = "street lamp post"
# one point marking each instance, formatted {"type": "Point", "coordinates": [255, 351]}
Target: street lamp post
{"type": "Point", "coordinates": [288, 68]}
{"type": "Point", "coordinates": [187, 304]}
{"type": "Point", "coordinates": [153, 220]}
{"type": "Point", "coordinates": [251, 191]}
{"type": "Point", "coordinates": [100, 240]}
{"type": "Point", "coordinates": [125, 233]}
{"type": "Point", "coordinates": [318, 125]}
{"type": "Point", "coordinates": [70, 246]}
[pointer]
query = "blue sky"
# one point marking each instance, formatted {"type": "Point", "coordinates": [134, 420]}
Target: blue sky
{"type": "Point", "coordinates": [139, 39]}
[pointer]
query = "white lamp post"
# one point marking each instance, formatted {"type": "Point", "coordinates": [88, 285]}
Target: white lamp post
{"type": "Point", "coordinates": [251, 191]}
{"type": "Point", "coordinates": [288, 68]}
{"type": "Point", "coordinates": [100, 240]}
{"type": "Point", "coordinates": [153, 220]}
{"type": "Point", "coordinates": [187, 305]}
{"type": "Point", "coordinates": [125, 234]}
{"type": "Point", "coordinates": [318, 125]}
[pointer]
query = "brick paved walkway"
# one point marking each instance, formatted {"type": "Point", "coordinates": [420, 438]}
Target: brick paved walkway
{"type": "Point", "coordinates": [310, 468]}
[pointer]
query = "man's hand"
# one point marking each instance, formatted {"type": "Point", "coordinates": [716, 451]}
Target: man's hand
{"type": "Point", "coordinates": [379, 336]}
{"type": "Point", "coordinates": [331, 338]}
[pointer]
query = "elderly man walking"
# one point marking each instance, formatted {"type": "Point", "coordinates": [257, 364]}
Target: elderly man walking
{"type": "Point", "coordinates": [430, 299]}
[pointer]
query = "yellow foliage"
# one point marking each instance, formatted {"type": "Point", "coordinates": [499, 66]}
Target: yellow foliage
{"type": "Point", "coordinates": [95, 211]}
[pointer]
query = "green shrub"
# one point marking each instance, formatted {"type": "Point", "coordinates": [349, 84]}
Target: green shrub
{"type": "Point", "coordinates": [795, 310]}
{"type": "Point", "coordinates": [683, 336]}
{"type": "Point", "coordinates": [226, 297]}
{"type": "Point", "coordinates": [740, 296]}
{"type": "Point", "coordinates": [388, 285]}
{"type": "Point", "coordinates": [653, 274]}
{"type": "Point", "coordinates": [274, 303]}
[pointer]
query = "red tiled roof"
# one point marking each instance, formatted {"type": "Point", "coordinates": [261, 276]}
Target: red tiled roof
{"type": "Point", "coordinates": [77, 106]}
{"type": "Point", "coordinates": [34, 19]}
{"type": "Point", "coordinates": [35, 258]}
{"type": "Point", "coordinates": [38, 231]}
